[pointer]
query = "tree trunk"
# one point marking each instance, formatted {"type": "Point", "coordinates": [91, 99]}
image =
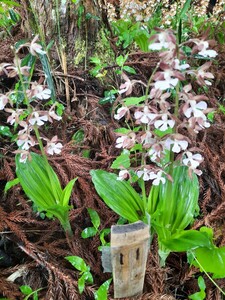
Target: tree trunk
{"type": "Point", "coordinates": [73, 26]}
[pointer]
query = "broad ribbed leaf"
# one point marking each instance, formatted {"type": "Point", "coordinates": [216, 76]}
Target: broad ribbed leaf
{"type": "Point", "coordinates": [187, 240]}
{"type": "Point", "coordinates": [41, 187]}
{"type": "Point", "coordinates": [118, 195]}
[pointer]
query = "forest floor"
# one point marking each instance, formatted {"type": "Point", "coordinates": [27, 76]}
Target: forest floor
{"type": "Point", "coordinates": [33, 249]}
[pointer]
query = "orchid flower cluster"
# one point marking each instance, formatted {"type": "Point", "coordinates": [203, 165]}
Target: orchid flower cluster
{"type": "Point", "coordinates": [29, 119]}
{"type": "Point", "coordinates": [170, 110]}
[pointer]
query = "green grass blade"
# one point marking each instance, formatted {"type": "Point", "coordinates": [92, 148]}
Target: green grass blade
{"type": "Point", "coordinates": [67, 193]}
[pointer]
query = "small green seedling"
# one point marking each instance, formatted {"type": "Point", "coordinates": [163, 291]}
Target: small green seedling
{"type": "Point", "coordinates": [85, 274]}
{"type": "Point", "coordinates": [201, 294]}
{"type": "Point", "coordinates": [92, 231]}
{"type": "Point", "coordinates": [29, 293]}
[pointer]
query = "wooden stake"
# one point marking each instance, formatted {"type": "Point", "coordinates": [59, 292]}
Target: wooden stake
{"type": "Point", "coordinates": [129, 251]}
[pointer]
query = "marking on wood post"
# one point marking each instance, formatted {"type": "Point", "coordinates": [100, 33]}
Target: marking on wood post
{"type": "Point", "coordinates": [129, 251]}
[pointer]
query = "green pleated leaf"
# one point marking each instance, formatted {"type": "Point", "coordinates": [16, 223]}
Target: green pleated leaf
{"type": "Point", "coordinates": [174, 204]}
{"type": "Point", "coordinates": [187, 240]}
{"type": "Point", "coordinates": [142, 41]}
{"type": "Point", "coordinates": [42, 186]}
{"type": "Point", "coordinates": [184, 10]}
{"type": "Point", "coordinates": [120, 196]}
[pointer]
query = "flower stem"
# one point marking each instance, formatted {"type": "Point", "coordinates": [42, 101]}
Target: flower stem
{"type": "Point", "coordinates": [176, 110]}
{"type": "Point", "coordinates": [150, 80]}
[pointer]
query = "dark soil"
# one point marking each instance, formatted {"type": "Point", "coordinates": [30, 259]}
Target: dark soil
{"type": "Point", "coordinates": [33, 249]}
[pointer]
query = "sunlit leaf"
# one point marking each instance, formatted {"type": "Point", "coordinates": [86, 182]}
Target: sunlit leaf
{"type": "Point", "coordinates": [5, 131]}
{"type": "Point", "coordinates": [88, 232]}
{"type": "Point", "coordinates": [77, 262]}
{"type": "Point", "coordinates": [101, 293]}
{"type": "Point", "coordinates": [134, 100]}
{"type": "Point", "coordinates": [26, 289]}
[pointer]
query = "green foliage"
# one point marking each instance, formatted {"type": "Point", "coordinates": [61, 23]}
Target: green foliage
{"type": "Point", "coordinates": [11, 183]}
{"type": "Point", "coordinates": [5, 131]}
{"type": "Point", "coordinates": [92, 231]}
{"type": "Point", "coordinates": [187, 240]}
{"type": "Point", "coordinates": [100, 69]}
{"type": "Point", "coordinates": [120, 196]}
{"type": "Point", "coordinates": [85, 274]}
{"type": "Point", "coordinates": [171, 206]}
{"type": "Point", "coordinates": [129, 32]}
{"type": "Point", "coordinates": [123, 160]}
{"type": "Point", "coordinates": [30, 294]}
{"type": "Point", "coordinates": [8, 15]}
{"type": "Point", "coordinates": [134, 100]}
{"type": "Point", "coordinates": [109, 97]}
{"type": "Point", "coordinates": [201, 294]}
{"type": "Point", "coordinates": [174, 204]}
{"type": "Point", "coordinates": [211, 260]}
{"type": "Point", "coordinates": [101, 293]}
{"type": "Point", "coordinates": [41, 184]}
{"type": "Point", "coordinates": [78, 136]}
{"type": "Point", "coordinates": [180, 17]}
{"type": "Point", "coordinates": [95, 220]}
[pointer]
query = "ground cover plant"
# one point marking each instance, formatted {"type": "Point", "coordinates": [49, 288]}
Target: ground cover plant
{"type": "Point", "coordinates": [123, 123]}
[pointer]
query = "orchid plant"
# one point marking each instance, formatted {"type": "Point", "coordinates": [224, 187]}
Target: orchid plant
{"type": "Point", "coordinates": [37, 178]}
{"type": "Point", "coordinates": [158, 158]}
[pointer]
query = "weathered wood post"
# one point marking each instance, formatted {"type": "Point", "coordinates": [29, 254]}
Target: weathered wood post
{"type": "Point", "coordinates": [129, 251]}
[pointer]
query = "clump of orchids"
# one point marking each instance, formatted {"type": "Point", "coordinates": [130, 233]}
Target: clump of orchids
{"type": "Point", "coordinates": [28, 119]}
{"type": "Point", "coordinates": [159, 123]}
